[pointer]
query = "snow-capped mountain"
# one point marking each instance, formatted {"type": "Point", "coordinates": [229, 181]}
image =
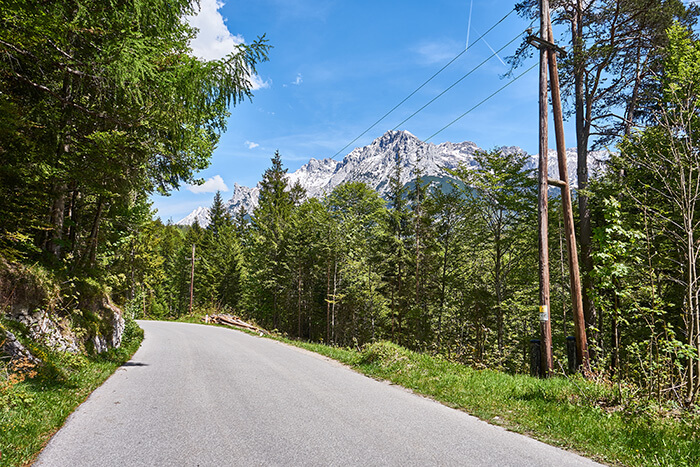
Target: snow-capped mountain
{"type": "Point", "coordinates": [374, 164]}
{"type": "Point", "coordinates": [243, 197]}
{"type": "Point", "coordinates": [201, 215]}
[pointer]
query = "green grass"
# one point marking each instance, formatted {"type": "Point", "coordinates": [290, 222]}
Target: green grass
{"type": "Point", "coordinates": [32, 410]}
{"type": "Point", "coordinates": [583, 416]}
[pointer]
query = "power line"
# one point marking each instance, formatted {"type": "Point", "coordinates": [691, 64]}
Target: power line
{"type": "Point", "coordinates": [480, 103]}
{"type": "Point", "coordinates": [423, 85]}
{"type": "Point", "coordinates": [493, 94]}
{"type": "Point", "coordinates": [495, 54]}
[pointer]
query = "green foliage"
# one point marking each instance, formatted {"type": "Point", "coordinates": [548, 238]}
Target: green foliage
{"type": "Point", "coordinates": [500, 196]}
{"type": "Point", "coordinates": [648, 250]}
{"type": "Point", "coordinates": [102, 104]}
{"type": "Point", "coordinates": [359, 222]}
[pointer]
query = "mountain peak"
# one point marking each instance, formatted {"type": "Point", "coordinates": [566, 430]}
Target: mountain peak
{"type": "Point", "coordinates": [200, 215]}
{"type": "Point", "coordinates": [374, 165]}
{"type": "Point", "coordinates": [395, 138]}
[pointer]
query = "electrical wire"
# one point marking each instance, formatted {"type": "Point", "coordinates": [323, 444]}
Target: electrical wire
{"type": "Point", "coordinates": [480, 103]}
{"type": "Point", "coordinates": [495, 54]}
{"type": "Point", "coordinates": [423, 85]}
{"type": "Point", "coordinates": [353, 175]}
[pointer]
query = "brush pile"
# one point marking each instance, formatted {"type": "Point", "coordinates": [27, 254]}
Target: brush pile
{"type": "Point", "coordinates": [235, 321]}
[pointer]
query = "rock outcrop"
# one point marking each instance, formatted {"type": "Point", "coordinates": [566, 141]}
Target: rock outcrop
{"type": "Point", "coordinates": [30, 297]}
{"type": "Point", "coordinates": [13, 348]}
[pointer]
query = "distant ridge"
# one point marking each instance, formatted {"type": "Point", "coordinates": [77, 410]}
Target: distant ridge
{"type": "Point", "coordinates": [375, 163]}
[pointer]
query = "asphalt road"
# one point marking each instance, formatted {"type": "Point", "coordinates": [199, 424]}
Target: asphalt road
{"type": "Point", "coordinates": [197, 395]}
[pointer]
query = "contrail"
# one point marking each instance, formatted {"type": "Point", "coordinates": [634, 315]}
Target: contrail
{"type": "Point", "coordinates": [489, 46]}
{"type": "Point", "coordinates": [469, 25]}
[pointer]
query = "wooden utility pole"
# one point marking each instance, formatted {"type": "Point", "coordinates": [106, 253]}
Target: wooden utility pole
{"type": "Point", "coordinates": [192, 281]}
{"type": "Point", "coordinates": [548, 60]}
{"type": "Point", "coordinates": [543, 206]}
{"type": "Point", "coordinates": [577, 301]}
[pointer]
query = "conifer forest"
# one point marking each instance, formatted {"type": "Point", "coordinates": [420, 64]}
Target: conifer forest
{"type": "Point", "coordinates": [101, 106]}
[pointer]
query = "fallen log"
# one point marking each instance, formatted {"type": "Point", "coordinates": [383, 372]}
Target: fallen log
{"type": "Point", "coordinates": [234, 321]}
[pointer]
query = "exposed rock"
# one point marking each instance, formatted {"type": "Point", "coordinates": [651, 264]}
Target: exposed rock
{"type": "Point", "coordinates": [30, 296]}
{"type": "Point", "coordinates": [118, 325]}
{"type": "Point", "coordinates": [52, 332]}
{"type": "Point", "coordinates": [99, 344]}
{"type": "Point", "coordinates": [375, 164]}
{"type": "Point", "coordinates": [10, 346]}
{"type": "Point", "coordinates": [103, 342]}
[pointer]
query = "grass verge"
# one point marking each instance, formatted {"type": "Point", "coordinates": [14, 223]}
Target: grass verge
{"type": "Point", "coordinates": [35, 403]}
{"type": "Point", "coordinates": [583, 416]}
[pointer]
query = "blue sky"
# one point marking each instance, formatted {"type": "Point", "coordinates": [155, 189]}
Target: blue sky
{"type": "Point", "coordinates": [338, 66]}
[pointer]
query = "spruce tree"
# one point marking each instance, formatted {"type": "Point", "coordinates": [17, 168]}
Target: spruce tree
{"type": "Point", "coordinates": [270, 228]}
{"type": "Point", "coordinates": [218, 216]}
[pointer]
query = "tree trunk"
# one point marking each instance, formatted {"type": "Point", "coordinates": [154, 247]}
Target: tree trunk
{"type": "Point", "coordinates": [498, 286]}
{"type": "Point", "coordinates": [583, 129]}
{"type": "Point", "coordinates": [299, 303]}
{"type": "Point", "coordinates": [94, 232]}
{"type": "Point", "coordinates": [328, 303]}
{"type": "Point", "coordinates": [694, 314]}
{"type": "Point", "coordinates": [615, 336]}
{"type": "Point", "coordinates": [335, 298]}
{"type": "Point", "coordinates": [73, 215]}
{"type": "Point", "coordinates": [443, 287]}
{"type": "Point", "coordinates": [63, 146]}
{"type": "Point", "coordinates": [58, 210]}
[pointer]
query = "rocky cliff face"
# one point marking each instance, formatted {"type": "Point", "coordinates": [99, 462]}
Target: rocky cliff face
{"type": "Point", "coordinates": [32, 300]}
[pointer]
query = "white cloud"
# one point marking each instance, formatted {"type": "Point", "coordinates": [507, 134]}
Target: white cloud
{"type": "Point", "coordinates": [214, 41]}
{"type": "Point", "coordinates": [251, 145]}
{"type": "Point", "coordinates": [298, 81]}
{"type": "Point", "coordinates": [258, 83]}
{"type": "Point", "coordinates": [214, 184]}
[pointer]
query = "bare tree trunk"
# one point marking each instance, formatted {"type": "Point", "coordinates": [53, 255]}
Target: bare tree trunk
{"type": "Point", "coordinates": [690, 392]}
{"type": "Point", "coordinates": [61, 189]}
{"type": "Point", "coordinates": [328, 303]}
{"type": "Point", "coordinates": [615, 336]}
{"type": "Point", "coordinates": [299, 303]}
{"type": "Point", "coordinates": [694, 313]}
{"type": "Point", "coordinates": [192, 280]}
{"type": "Point", "coordinates": [443, 287]}
{"type": "Point", "coordinates": [498, 285]}
{"type": "Point", "coordinates": [73, 215]}
{"type": "Point", "coordinates": [92, 243]}
{"type": "Point", "coordinates": [58, 210]}
{"type": "Point", "coordinates": [583, 129]}
{"type": "Point", "coordinates": [335, 299]}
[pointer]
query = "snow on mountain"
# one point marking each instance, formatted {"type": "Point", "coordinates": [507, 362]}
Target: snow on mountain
{"type": "Point", "coordinates": [201, 215]}
{"type": "Point", "coordinates": [243, 197]}
{"type": "Point", "coordinates": [595, 164]}
{"type": "Point", "coordinates": [314, 176]}
{"type": "Point", "coordinates": [374, 164]}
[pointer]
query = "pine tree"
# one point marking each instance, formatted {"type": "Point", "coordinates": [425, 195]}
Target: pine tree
{"type": "Point", "coordinates": [502, 191]}
{"type": "Point", "coordinates": [270, 225]}
{"type": "Point", "coordinates": [218, 216]}
{"type": "Point", "coordinates": [613, 65]}
{"type": "Point", "coordinates": [111, 107]}
{"type": "Point", "coordinates": [397, 253]}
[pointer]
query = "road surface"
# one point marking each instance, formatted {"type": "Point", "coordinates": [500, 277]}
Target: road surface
{"type": "Point", "coordinates": [196, 395]}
